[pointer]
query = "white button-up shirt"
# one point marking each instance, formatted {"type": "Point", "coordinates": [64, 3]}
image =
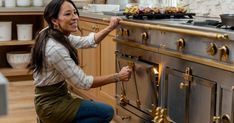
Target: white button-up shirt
{"type": "Point", "coordinates": [60, 66]}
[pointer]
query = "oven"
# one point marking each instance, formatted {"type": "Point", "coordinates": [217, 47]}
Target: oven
{"type": "Point", "coordinates": [179, 75]}
{"type": "Point", "coordinates": [141, 92]}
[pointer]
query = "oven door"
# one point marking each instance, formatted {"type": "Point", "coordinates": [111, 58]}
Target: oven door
{"type": "Point", "coordinates": [141, 90]}
{"type": "Point", "coordinates": [186, 103]}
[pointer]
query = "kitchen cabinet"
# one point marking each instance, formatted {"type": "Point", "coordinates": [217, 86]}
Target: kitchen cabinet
{"type": "Point", "coordinates": [98, 61]}
{"type": "Point", "coordinates": [18, 16]}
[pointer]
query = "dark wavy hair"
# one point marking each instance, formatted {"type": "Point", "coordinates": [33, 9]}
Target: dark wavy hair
{"type": "Point", "coordinates": [38, 51]}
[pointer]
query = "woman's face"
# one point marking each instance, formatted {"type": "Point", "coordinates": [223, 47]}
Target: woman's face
{"type": "Point", "coordinates": [67, 19]}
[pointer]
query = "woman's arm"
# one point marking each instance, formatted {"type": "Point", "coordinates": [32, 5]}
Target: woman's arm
{"type": "Point", "coordinates": [123, 75]}
{"type": "Point", "coordinates": [99, 36]}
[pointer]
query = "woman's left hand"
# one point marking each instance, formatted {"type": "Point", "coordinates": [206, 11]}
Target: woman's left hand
{"type": "Point", "coordinates": [114, 21]}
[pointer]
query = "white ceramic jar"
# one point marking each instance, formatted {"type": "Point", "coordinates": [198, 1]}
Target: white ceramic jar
{"type": "Point", "coordinates": [1, 3]}
{"type": "Point", "coordinates": [24, 32]}
{"type": "Point", "coordinates": [5, 29]}
{"type": "Point", "coordinates": [23, 2]}
{"type": "Point", "coordinates": [38, 2]}
{"type": "Point", "coordinates": [10, 3]}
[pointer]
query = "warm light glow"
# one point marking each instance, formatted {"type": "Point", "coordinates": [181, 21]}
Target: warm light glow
{"type": "Point", "coordinates": [155, 70]}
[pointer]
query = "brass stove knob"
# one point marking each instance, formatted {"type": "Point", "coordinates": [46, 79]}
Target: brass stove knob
{"type": "Point", "coordinates": [144, 36]}
{"type": "Point", "coordinates": [223, 53]}
{"type": "Point", "coordinates": [120, 32]}
{"type": "Point", "coordinates": [226, 119]}
{"type": "Point", "coordinates": [212, 49]}
{"type": "Point", "coordinates": [180, 44]}
{"type": "Point", "coordinates": [126, 32]}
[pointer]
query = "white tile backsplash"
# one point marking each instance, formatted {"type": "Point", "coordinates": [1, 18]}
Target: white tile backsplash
{"type": "Point", "coordinates": [211, 8]}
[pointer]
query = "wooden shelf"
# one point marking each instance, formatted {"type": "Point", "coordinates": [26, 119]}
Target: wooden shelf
{"type": "Point", "coordinates": [22, 11]}
{"type": "Point", "coordinates": [16, 42]}
{"type": "Point", "coordinates": [14, 72]}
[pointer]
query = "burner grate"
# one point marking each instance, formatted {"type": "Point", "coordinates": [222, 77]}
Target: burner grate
{"type": "Point", "coordinates": [158, 16]}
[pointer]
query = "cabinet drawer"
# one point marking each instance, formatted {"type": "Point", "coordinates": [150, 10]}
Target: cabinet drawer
{"type": "Point", "coordinates": [88, 26]}
{"type": "Point", "coordinates": [93, 27]}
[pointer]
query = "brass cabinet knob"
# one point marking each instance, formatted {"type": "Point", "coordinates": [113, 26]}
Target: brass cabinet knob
{"type": "Point", "coordinates": [120, 32]}
{"type": "Point", "coordinates": [180, 43]}
{"type": "Point", "coordinates": [126, 117]}
{"type": "Point", "coordinates": [223, 53]}
{"type": "Point", "coordinates": [126, 32]}
{"type": "Point", "coordinates": [144, 36]}
{"type": "Point", "coordinates": [212, 49]}
{"type": "Point", "coordinates": [95, 28]}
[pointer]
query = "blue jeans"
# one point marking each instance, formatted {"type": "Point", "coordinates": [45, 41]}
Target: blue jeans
{"type": "Point", "coordinates": [94, 112]}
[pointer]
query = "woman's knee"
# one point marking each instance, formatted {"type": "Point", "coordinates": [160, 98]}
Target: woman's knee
{"type": "Point", "coordinates": [110, 113]}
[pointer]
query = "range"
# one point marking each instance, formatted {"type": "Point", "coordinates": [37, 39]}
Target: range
{"type": "Point", "coordinates": [182, 73]}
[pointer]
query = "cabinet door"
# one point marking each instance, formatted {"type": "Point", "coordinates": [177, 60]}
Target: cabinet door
{"type": "Point", "coordinates": [186, 104]}
{"type": "Point", "coordinates": [107, 92]}
{"type": "Point", "coordinates": [227, 103]}
{"type": "Point", "coordinates": [90, 62]}
{"type": "Point", "coordinates": [91, 59]}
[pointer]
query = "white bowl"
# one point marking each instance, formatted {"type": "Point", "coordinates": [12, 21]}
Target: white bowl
{"type": "Point", "coordinates": [18, 59]}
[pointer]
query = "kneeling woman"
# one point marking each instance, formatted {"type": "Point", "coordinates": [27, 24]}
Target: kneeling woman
{"type": "Point", "coordinates": [55, 64]}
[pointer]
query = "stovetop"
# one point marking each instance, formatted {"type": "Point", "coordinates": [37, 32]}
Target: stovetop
{"type": "Point", "coordinates": [196, 23]}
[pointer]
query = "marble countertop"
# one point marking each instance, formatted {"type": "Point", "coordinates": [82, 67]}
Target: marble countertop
{"type": "Point", "coordinates": [178, 23]}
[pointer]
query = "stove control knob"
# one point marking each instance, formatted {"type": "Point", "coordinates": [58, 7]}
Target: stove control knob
{"type": "Point", "coordinates": [223, 53]}
{"type": "Point", "coordinates": [212, 49]}
{"type": "Point", "coordinates": [144, 36]}
{"type": "Point", "coordinates": [126, 32]}
{"type": "Point", "coordinates": [119, 32]}
{"type": "Point", "coordinates": [226, 119]}
{"type": "Point", "coordinates": [180, 44]}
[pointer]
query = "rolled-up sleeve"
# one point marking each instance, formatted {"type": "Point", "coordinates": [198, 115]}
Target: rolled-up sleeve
{"type": "Point", "coordinates": [60, 59]}
{"type": "Point", "coordinates": [83, 42]}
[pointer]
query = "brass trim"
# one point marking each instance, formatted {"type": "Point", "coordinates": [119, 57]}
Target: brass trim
{"type": "Point", "coordinates": [178, 55]}
{"type": "Point", "coordinates": [206, 34]}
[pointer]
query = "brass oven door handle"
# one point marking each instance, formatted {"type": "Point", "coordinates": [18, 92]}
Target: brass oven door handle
{"type": "Point", "coordinates": [132, 65]}
{"type": "Point", "coordinates": [123, 98]}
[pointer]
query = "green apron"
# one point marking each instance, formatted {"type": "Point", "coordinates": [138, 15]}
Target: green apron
{"type": "Point", "coordinates": [54, 104]}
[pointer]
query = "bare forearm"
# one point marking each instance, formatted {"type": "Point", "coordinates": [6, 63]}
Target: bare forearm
{"type": "Point", "coordinates": [103, 80]}
{"type": "Point", "coordinates": [102, 34]}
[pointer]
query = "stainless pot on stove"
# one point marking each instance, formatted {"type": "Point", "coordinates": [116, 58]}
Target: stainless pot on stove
{"type": "Point", "coordinates": [227, 19]}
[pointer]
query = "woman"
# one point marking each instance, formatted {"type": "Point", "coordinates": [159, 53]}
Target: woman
{"type": "Point", "coordinates": [54, 60]}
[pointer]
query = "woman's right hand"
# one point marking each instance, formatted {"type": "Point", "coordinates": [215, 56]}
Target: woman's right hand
{"type": "Point", "coordinates": [125, 73]}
